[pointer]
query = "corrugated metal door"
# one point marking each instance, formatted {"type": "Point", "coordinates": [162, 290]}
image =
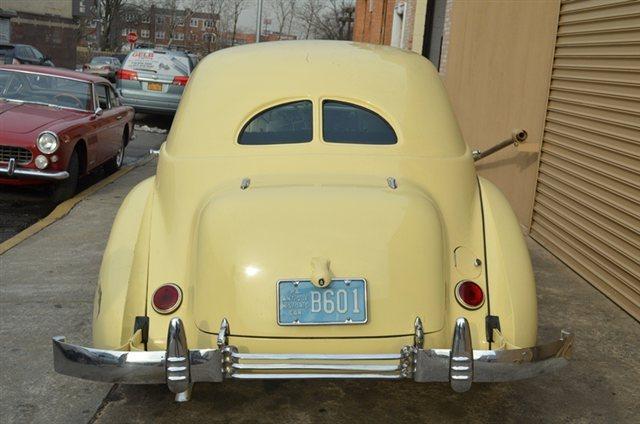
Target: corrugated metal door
{"type": "Point", "coordinates": [587, 204]}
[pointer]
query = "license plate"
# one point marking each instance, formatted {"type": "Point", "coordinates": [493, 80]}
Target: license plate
{"type": "Point", "coordinates": [154, 86]}
{"type": "Point", "coordinates": [341, 302]}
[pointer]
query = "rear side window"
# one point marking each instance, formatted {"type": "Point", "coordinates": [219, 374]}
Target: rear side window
{"type": "Point", "coordinates": [348, 123]}
{"type": "Point", "coordinates": [283, 124]}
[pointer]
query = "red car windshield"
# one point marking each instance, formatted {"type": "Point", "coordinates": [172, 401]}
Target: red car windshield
{"type": "Point", "coordinates": [45, 89]}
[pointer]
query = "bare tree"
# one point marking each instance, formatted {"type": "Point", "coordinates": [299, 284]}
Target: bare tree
{"type": "Point", "coordinates": [307, 14]}
{"type": "Point", "coordinates": [216, 37]}
{"type": "Point", "coordinates": [235, 9]}
{"type": "Point", "coordinates": [284, 11]}
{"type": "Point", "coordinates": [109, 13]}
{"type": "Point", "coordinates": [334, 21]}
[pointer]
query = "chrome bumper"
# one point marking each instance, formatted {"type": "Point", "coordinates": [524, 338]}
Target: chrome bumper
{"type": "Point", "coordinates": [180, 367]}
{"type": "Point", "coordinates": [11, 171]}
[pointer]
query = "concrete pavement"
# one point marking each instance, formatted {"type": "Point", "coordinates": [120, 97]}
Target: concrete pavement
{"type": "Point", "coordinates": [47, 285]}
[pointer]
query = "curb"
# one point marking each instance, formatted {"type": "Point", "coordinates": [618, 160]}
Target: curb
{"type": "Point", "coordinates": [65, 207]}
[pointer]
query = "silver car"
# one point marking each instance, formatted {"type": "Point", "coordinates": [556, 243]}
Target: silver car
{"type": "Point", "coordinates": [103, 66]}
{"type": "Point", "coordinates": [152, 80]}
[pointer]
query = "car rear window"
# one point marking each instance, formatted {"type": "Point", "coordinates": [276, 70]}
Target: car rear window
{"type": "Point", "coordinates": [348, 123]}
{"type": "Point", "coordinates": [97, 60]}
{"type": "Point", "coordinates": [283, 124]}
{"type": "Point", "coordinates": [156, 62]}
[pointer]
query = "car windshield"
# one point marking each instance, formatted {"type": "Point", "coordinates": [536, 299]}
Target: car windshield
{"type": "Point", "coordinates": [158, 62]}
{"type": "Point", "coordinates": [100, 60]}
{"type": "Point", "coordinates": [45, 90]}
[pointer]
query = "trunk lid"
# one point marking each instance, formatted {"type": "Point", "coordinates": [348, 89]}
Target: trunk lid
{"type": "Point", "coordinates": [248, 240]}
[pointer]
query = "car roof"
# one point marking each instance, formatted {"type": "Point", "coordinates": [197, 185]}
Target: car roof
{"type": "Point", "coordinates": [162, 51]}
{"type": "Point", "coordinates": [230, 86]}
{"type": "Point", "coordinates": [55, 72]}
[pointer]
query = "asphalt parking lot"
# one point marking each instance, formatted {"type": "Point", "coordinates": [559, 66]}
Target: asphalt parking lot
{"type": "Point", "coordinates": [21, 206]}
{"type": "Point", "coordinates": [54, 297]}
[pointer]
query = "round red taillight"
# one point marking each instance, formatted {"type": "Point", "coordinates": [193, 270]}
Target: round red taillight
{"type": "Point", "coordinates": [166, 298]}
{"type": "Point", "coordinates": [469, 294]}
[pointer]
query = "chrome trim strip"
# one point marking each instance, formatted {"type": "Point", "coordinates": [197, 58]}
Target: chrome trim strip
{"type": "Point", "coordinates": [44, 73]}
{"type": "Point", "coordinates": [12, 167]}
{"type": "Point", "coordinates": [332, 367]}
{"type": "Point", "coordinates": [318, 356]}
{"type": "Point", "coordinates": [297, 376]}
{"type": "Point", "coordinates": [33, 173]}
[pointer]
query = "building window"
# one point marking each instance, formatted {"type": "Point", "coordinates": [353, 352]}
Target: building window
{"type": "Point", "coordinates": [130, 17]}
{"type": "Point", "coordinates": [125, 31]}
{"type": "Point", "coordinates": [179, 36]}
{"type": "Point", "coordinates": [434, 31]}
{"type": "Point", "coordinates": [144, 33]}
{"type": "Point", "coordinates": [194, 37]}
{"type": "Point", "coordinates": [146, 19]}
{"type": "Point", "coordinates": [159, 35]}
{"type": "Point", "coordinates": [397, 29]}
{"type": "Point", "coordinates": [194, 23]}
{"type": "Point", "coordinates": [159, 20]}
{"type": "Point", "coordinates": [180, 21]}
{"type": "Point", "coordinates": [206, 36]}
{"type": "Point", "coordinates": [208, 23]}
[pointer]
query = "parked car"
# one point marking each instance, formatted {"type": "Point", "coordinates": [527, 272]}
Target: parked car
{"type": "Point", "coordinates": [194, 59]}
{"type": "Point", "coordinates": [104, 66]}
{"type": "Point", "coordinates": [120, 56]}
{"type": "Point", "coordinates": [17, 54]}
{"type": "Point", "coordinates": [309, 220]}
{"type": "Point", "coordinates": [58, 125]}
{"type": "Point", "coordinates": [152, 81]}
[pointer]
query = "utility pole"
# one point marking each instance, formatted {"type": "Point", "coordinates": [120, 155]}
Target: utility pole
{"type": "Point", "coordinates": [259, 21]}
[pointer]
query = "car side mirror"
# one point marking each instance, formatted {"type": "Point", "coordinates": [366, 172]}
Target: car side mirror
{"type": "Point", "coordinates": [98, 111]}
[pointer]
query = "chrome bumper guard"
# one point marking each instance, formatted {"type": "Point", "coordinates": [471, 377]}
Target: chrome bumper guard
{"type": "Point", "coordinates": [12, 171]}
{"type": "Point", "coordinates": [180, 367]}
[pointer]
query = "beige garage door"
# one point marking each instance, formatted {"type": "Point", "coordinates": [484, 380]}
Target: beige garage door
{"type": "Point", "coordinates": [587, 205]}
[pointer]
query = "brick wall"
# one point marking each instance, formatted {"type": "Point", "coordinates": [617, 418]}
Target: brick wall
{"type": "Point", "coordinates": [55, 37]}
{"type": "Point", "coordinates": [373, 21]}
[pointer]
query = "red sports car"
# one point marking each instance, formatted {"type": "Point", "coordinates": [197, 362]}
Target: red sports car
{"type": "Point", "coordinates": [56, 125]}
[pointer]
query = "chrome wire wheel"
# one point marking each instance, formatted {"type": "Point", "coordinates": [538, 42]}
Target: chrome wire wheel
{"type": "Point", "coordinates": [120, 155]}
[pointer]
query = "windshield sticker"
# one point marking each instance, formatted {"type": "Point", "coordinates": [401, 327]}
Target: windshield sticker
{"type": "Point", "coordinates": [158, 63]}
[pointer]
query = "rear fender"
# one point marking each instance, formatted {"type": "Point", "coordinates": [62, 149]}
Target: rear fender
{"type": "Point", "coordinates": [512, 291]}
{"type": "Point", "coordinates": [122, 286]}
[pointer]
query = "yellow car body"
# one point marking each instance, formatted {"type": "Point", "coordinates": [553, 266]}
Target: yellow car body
{"type": "Point", "coordinates": [226, 221]}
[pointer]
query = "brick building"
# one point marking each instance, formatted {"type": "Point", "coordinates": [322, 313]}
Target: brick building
{"type": "Point", "coordinates": [389, 22]}
{"type": "Point", "coordinates": [49, 25]}
{"type": "Point", "coordinates": [183, 28]}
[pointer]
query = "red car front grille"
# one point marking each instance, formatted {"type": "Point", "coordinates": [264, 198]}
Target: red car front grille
{"type": "Point", "coordinates": [21, 155]}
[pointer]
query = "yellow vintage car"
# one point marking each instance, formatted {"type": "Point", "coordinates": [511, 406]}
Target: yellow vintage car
{"type": "Point", "coordinates": [315, 214]}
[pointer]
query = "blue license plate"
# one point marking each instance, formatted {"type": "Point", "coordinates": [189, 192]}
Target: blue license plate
{"type": "Point", "coordinates": [341, 302]}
